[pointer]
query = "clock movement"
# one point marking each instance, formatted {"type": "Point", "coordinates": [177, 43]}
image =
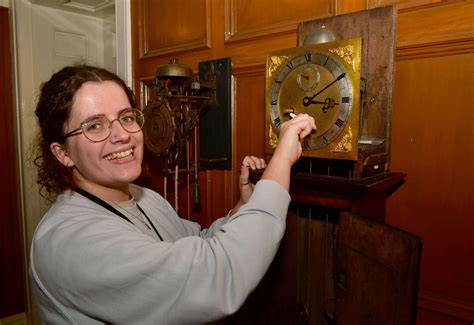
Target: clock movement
{"type": "Point", "coordinates": [181, 111]}
{"type": "Point", "coordinates": [175, 112]}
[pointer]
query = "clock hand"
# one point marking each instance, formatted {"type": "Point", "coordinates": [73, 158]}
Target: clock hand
{"type": "Point", "coordinates": [307, 100]}
{"type": "Point", "coordinates": [316, 102]}
{"type": "Point", "coordinates": [328, 103]}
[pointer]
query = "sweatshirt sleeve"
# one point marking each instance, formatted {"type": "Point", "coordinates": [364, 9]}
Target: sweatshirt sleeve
{"type": "Point", "coordinates": [91, 266]}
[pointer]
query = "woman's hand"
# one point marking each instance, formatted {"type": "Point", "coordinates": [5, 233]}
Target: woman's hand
{"type": "Point", "coordinates": [291, 133]}
{"type": "Point", "coordinates": [289, 148]}
{"type": "Point", "coordinates": [246, 187]}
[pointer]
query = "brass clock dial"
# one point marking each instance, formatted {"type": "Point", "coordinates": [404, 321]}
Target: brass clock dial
{"type": "Point", "coordinates": [323, 81]}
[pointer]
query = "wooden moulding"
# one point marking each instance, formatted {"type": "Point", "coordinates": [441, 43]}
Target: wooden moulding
{"type": "Point", "coordinates": [364, 196]}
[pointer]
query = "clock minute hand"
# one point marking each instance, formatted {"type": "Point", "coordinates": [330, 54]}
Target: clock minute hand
{"type": "Point", "coordinates": [307, 100]}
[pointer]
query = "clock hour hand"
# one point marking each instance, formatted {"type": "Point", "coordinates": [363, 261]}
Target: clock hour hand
{"type": "Point", "coordinates": [327, 104]}
{"type": "Point", "coordinates": [308, 99]}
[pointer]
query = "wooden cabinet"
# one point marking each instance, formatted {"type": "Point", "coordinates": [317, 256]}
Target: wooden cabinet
{"type": "Point", "coordinates": [352, 268]}
{"type": "Point", "coordinates": [335, 266]}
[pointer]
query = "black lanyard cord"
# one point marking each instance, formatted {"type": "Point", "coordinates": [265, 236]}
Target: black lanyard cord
{"type": "Point", "coordinates": [151, 223]}
{"type": "Point", "coordinates": [104, 204]}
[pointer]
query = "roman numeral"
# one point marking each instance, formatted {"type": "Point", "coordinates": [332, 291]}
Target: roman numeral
{"type": "Point", "coordinates": [277, 122]}
{"type": "Point", "coordinates": [274, 102]}
{"type": "Point", "coordinates": [339, 123]}
{"type": "Point", "coordinates": [327, 59]}
{"type": "Point", "coordinates": [290, 65]}
{"type": "Point", "coordinates": [325, 139]}
{"type": "Point", "coordinates": [308, 57]}
{"type": "Point", "coordinates": [345, 100]}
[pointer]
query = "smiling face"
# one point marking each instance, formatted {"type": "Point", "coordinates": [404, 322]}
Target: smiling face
{"type": "Point", "coordinates": [105, 168]}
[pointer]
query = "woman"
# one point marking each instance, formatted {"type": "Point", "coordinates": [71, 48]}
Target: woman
{"type": "Point", "coordinates": [109, 251]}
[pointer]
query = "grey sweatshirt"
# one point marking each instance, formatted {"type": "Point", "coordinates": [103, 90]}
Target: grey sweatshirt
{"type": "Point", "coordinates": [88, 266]}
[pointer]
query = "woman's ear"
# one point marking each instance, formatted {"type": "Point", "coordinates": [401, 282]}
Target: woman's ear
{"type": "Point", "coordinates": [61, 154]}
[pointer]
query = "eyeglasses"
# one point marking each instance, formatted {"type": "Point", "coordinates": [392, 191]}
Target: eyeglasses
{"type": "Point", "coordinates": [98, 128]}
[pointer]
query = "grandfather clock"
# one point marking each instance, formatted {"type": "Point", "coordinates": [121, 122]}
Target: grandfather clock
{"type": "Point", "coordinates": [339, 262]}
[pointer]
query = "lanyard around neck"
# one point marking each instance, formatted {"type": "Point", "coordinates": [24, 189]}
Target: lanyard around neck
{"type": "Point", "coordinates": [104, 204]}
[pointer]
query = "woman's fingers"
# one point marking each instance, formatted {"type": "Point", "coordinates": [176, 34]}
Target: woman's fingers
{"type": "Point", "coordinates": [253, 162]}
{"type": "Point", "coordinates": [250, 163]}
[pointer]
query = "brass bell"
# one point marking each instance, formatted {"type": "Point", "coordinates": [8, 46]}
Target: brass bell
{"type": "Point", "coordinates": [173, 70]}
{"type": "Point", "coordinates": [321, 35]}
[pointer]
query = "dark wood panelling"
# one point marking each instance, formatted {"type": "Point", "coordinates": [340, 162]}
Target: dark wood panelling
{"type": "Point", "coordinates": [12, 287]}
{"type": "Point", "coordinates": [436, 25]}
{"type": "Point", "coordinates": [248, 19]}
{"type": "Point", "coordinates": [249, 136]}
{"type": "Point", "coordinates": [432, 108]}
{"type": "Point", "coordinates": [173, 26]}
{"type": "Point", "coordinates": [433, 143]}
{"type": "Point", "coordinates": [344, 6]}
{"type": "Point", "coordinates": [402, 4]}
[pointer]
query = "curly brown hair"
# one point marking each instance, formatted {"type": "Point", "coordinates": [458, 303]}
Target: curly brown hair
{"type": "Point", "coordinates": [53, 110]}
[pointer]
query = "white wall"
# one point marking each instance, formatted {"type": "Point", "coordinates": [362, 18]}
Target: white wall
{"type": "Point", "coordinates": [4, 3]}
{"type": "Point", "coordinates": [109, 36]}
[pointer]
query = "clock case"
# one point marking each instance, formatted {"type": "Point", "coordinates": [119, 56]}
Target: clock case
{"type": "Point", "coordinates": [377, 29]}
{"type": "Point", "coordinates": [339, 261]}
